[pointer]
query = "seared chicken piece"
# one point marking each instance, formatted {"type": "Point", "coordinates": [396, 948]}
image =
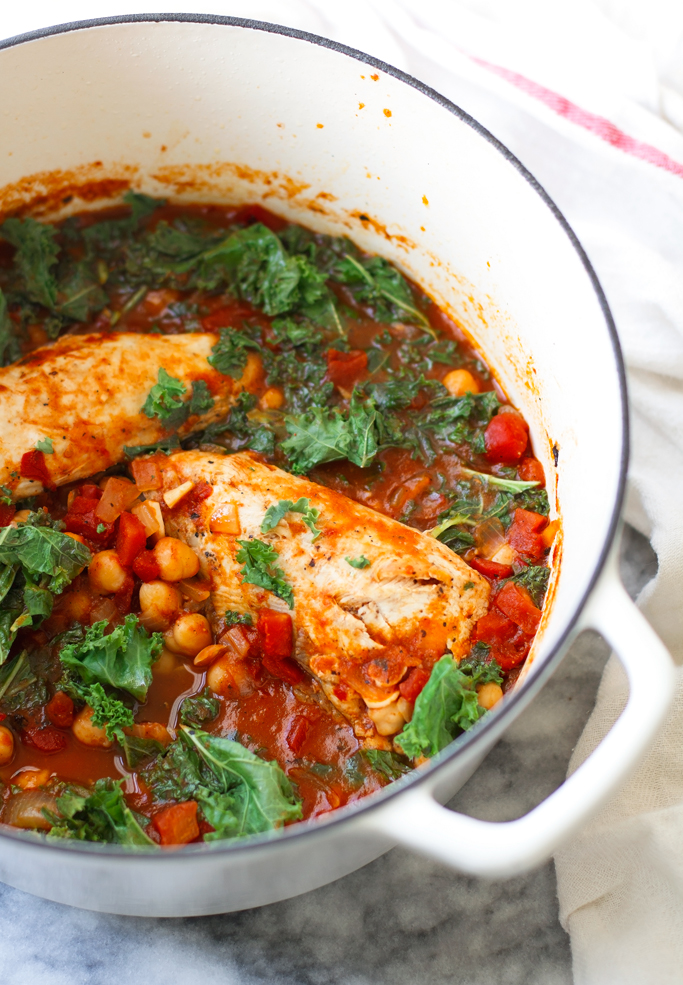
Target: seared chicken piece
{"type": "Point", "coordinates": [85, 393]}
{"type": "Point", "coordinates": [357, 629]}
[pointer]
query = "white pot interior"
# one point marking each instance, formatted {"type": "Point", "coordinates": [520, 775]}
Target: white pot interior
{"type": "Point", "coordinates": [202, 111]}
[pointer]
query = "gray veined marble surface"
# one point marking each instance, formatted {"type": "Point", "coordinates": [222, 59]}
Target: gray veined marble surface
{"type": "Point", "coordinates": [399, 921]}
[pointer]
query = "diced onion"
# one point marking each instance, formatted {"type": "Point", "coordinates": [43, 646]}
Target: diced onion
{"type": "Point", "coordinates": [194, 590]}
{"type": "Point", "coordinates": [150, 516]}
{"type": "Point", "coordinates": [146, 473]}
{"type": "Point", "coordinates": [489, 537]}
{"type": "Point", "coordinates": [104, 609]}
{"type": "Point", "coordinates": [173, 496]}
{"type": "Point", "coordinates": [383, 704]}
{"type": "Point", "coordinates": [235, 639]}
{"type": "Point", "coordinates": [117, 496]}
{"type": "Point", "coordinates": [225, 519]}
{"type": "Point", "coordinates": [25, 810]}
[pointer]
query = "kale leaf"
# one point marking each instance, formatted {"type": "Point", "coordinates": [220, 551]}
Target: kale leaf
{"type": "Point", "coordinates": [109, 713]}
{"type": "Point", "coordinates": [280, 510]}
{"type": "Point", "coordinates": [122, 659]}
{"type": "Point", "coordinates": [36, 254]}
{"type": "Point", "coordinates": [447, 703]}
{"type": "Point", "coordinates": [243, 432]}
{"type": "Point", "coordinates": [374, 281]}
{"type": "Point", "coordinates": [238, 792]}
{"type": "Point", "coordinates": [165, 397]}
{"type": "Point", "coordinates": [9, 343]}
{"type": "Point", "coordinates": [229, 354]}
{"type": "Point", "coordinates": [98, 814]}
{"type": "Point", "coordinates": [316, 437]}
{"type": "Point", "coordinates": [358, 562]}
{"type": "Point", "coordinates": [165, 402]}
{"type": "Point", "coordinates": [327, 436]}
{"type": "Point", "coordinates": [233, 618]}
{"type": "Point", "coordinates": [386, 763]}
{"type": "Point", "coordinates": [201, 401]}
{"type": "Point", "coordinates": [199, 709]}
{"type": "Point", "coordinates": [260, 568]}
{"type": "Point", "coordinates": [535, 580]}
{"type": "Point", "coordinates": [535, 500]}
{"type": "Point", "coordinates": [37, 561]}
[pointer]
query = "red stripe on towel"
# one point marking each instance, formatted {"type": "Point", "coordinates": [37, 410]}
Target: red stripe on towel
{"type": "Point", "coordinates": [598, 125]}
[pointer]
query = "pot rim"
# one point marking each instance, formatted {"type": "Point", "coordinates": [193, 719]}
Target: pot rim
{"type": "Point", "coordinates": [532, 685]}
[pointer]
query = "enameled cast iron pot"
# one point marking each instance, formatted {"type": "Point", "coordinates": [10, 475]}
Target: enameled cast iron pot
{"type": "Point", "coordinates": [219, 109]}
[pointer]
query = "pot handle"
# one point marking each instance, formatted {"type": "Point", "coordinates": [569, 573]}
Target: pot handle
{"type": "Point", "coordinates": [504, 849]}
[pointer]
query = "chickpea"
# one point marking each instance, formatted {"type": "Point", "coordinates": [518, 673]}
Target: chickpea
{"type": "Point", "coordinates": [31, 779]}
{"type": "Point", "coordinates": [388, 720]}
{"type": "Point", "coordinates": [406, 708]}
{"type": "Point", "coordinates": [106, 573]}
{"type": "Point", "coordinates": [272, 399]}
{"type": "Point", "coordinates": [167, 663]}
{"type": "Point", "coordinates": [189, 634]}
{"type": "Point", "coordinates": [176, 560]}
{"type": "Point", "coordinates": [489, 695]}
{"type": "Point", "coordinates": [75, 606]}
{"type": "Point", "coordinates": [151, 730]}
{"type": "Point", "coordinates": [220, 677]}
{"type": "Point", "coordinates": [459, 382]}
{"type": "Point", "coordinates": [87, 733]}
{"type": "Point", "coordinates": [6, 745]}
{"type": "Point", "coordinates": [159, 603]}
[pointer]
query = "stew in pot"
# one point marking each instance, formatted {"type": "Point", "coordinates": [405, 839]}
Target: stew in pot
{"type": "Point", "coordinates": [270, 533]}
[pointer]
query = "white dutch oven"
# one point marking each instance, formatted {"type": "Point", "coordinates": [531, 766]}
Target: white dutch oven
{"type": "Point", "coordinates": [219, 109]}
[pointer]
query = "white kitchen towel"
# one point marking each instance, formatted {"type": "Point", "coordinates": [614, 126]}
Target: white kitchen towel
{"type": "Point", "coordinates": [589, 95]}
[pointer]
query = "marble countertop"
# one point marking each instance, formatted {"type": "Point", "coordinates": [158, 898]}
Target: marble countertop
{"type": "Point", "coordinates": [399, 921]}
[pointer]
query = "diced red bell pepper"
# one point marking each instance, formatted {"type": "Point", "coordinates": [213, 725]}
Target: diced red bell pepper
{"type": "Point", "coordinates": [60, 710]}
{"type": "Point", "coordinates": [531, 470]}
{"type": "Point", "coordinates": [81, 519]}
{"type": "Point", "coordinates": [413, 684]}
{"type": "Point", "coordinates": [285, 668]}
{"type": "Point", "coordinates": [515, 601]}
{"type": "Point", "coordinates": [146, 566]}
{"type": "Point", "coordinates": [524, 534]}
{"type": "Point", "coordinates": [7, 514]}
{"type": "Point", "coordinates": [177, 825]}
{"type": "Point", "coordinates": [130, 539]}
{"type": "Point", "coordinates": [89, 491]}
{"type": "Point", "coordinates": [492, 569]}
{"type": "Point", "coordinates": [298, 730]}
{"type": "Point", "coordinates": [47, 739]}
{"type": "Point", "coordinates": [344, 368]}
{"type": "Point", "coordinates": [33, 466]}
{"type": "Point", "coordinates": [505, 439]}
{"type": "Point", "coordinates": [494, 628]}
{"type": "Point", "coordinates": [277, 644]}
{"type": "Point", "coordinates": [508, 657]}
{"type": "Point", "coordinates": [275, 632]}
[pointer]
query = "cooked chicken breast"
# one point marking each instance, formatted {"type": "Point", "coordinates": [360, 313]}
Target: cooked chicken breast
{"type": "Point", "coordinates": [357, 629]}
{"type": "Point", "coordinates": [85, 393]}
